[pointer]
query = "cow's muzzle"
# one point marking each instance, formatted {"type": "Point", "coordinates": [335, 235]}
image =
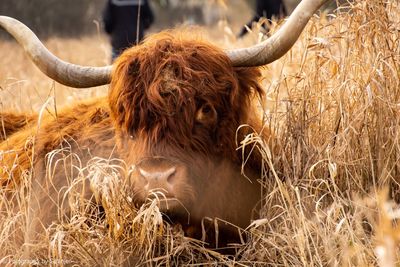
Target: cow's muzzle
{"type": "Point", "coordinates": [162, 179]}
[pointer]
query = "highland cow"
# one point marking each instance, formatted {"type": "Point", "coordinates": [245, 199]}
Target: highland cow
{"type": "Point", "coordinates": [172, 114]}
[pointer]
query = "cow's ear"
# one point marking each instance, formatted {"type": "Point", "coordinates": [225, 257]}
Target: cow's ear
{"type": "Point", "coordinates": [249, 81]}
{"type": "Point", "coordinates": [125, 93]}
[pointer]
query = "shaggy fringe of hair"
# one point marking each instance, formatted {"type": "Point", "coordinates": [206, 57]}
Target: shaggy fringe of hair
{"type": "Point", "coordinates": [150, 86]}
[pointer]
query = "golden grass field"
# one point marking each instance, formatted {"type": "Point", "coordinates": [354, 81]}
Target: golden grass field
{"type": "Point", "coordinates": [331, 179]}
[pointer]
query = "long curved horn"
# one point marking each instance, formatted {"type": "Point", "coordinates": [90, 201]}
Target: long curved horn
{"type": "Point", "coordinates": [279, 43]}
{"type": "Point", "coordinates": [63, 72]}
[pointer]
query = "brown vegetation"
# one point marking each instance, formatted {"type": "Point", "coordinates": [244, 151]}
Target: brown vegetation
{"type": "Point", "coordinates": [332, 103]}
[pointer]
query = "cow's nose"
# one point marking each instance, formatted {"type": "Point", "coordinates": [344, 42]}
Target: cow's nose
{"type": "Point", "coordinates": [162, 179]}
{"type": "Point", "coordinates": [158, 175]}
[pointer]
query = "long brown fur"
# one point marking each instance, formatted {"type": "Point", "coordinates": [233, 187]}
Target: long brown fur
{"type": "Point", "coordinates": [11, 122]}
{"type": "Point", "coordinates": [173, 96]}
{"type": "Point", "coordinates": [157, 88]}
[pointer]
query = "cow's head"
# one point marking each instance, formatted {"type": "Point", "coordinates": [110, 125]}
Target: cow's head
{"type": "Point", "coordinates": [177, 103]}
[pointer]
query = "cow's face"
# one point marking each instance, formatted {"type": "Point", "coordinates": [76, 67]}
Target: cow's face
{"type": "Point", "coordinates": [177, 104]}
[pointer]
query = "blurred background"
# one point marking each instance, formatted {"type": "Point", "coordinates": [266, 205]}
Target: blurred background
{"type": "Point", "coordinates": [73, 18]}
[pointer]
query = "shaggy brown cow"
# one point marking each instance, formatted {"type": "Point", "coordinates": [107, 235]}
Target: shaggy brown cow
{"type": "Point", "coordinates": [172, 114]}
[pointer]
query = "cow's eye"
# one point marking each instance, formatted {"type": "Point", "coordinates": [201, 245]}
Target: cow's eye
{"type": "Point", "coordinates": [206, 109]}
{"type": "Point", "coordinates": [206, 115]}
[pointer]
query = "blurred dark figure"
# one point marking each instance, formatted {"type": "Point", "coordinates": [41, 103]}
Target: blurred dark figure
{"type": "Point", "coordinates": [125, 21]}
{"type": "Point", "coordinates": [266, 9]}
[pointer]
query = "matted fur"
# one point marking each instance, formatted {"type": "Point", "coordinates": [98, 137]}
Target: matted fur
{"type": "Point", "coordinates": [158, 87]}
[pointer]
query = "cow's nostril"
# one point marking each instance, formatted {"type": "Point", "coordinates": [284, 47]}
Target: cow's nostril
{"type": "Point", "coordinates": [170, 174]}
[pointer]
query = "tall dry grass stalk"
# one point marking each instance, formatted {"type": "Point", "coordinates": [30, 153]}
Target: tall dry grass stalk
{"type": "Point", "coordinates": [331, 176]}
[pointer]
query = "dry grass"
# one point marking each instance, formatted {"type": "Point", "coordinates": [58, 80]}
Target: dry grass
{"type": "Point", "coordinates": [331, 178]}
{"type": "Point", "coordinates": [24, 88]}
